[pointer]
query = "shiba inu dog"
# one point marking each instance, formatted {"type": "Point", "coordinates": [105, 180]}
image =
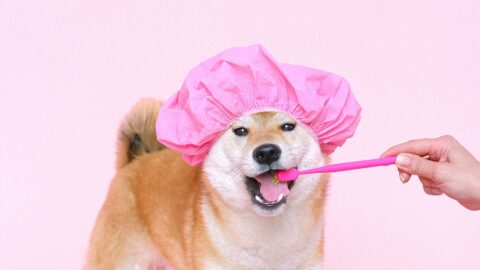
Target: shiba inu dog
{"type": "Point", "coordinates": [161, 213]}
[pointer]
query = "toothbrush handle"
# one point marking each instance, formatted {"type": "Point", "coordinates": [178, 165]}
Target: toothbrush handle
{"type": "Point", "coordinates": [352, 165]}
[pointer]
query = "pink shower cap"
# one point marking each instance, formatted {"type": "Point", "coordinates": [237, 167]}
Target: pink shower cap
{"type": "Point", "coordinates": [243, 80]}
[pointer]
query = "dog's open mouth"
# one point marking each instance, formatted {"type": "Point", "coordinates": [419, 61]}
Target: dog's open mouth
{"type": "Point", "coordinates": [265, 193]}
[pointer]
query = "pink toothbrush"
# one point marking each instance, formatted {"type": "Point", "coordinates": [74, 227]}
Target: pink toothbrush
{"type": "Point", "coordinates": [292, 174]}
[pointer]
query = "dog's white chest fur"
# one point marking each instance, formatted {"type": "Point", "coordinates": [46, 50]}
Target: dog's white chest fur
{"type": "Point", "coordinates": [253, 242]}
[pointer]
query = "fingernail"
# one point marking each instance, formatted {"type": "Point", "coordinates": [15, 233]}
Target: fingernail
{"type": "Point", "coordinates": [403, 161]}
{"type": "Point", "coordinates": [401, 178]}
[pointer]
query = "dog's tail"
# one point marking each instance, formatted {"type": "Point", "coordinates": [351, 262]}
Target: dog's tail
{"type": "Point", "coordinates": [137, 134]}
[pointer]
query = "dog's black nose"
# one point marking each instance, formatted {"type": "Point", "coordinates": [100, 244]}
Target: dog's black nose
{"type": "Point", "coordinates": [266, 153]}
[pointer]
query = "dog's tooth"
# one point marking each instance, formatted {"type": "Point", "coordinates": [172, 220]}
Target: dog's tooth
{"type": "Point", "coordinates": [258, 199]}
{"type": "Point", "coordinates": [280, 197]}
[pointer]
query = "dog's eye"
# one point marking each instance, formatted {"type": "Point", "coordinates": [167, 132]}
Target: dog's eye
{"type": "Point", "coordinates": [287, 126]}
{"type": "Point", "coordinates": [241, 131]}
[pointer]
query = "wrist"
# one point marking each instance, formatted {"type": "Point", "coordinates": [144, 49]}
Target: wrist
{"type": "Point", "coordinates": [474, 203]}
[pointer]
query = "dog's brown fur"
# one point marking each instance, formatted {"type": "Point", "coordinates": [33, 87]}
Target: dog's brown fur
{"type": "Point", "coordinates": [137, 132]}
{"type": "Point", "coordinates": [143, 220]}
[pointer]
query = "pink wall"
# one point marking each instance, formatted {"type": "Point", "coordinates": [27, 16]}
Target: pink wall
{"type": "Point", "coordinates": [69, 71]}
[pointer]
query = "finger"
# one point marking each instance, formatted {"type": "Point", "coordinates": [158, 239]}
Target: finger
{"type": "Point", "coordinates": [427, 181]}
{"type": "Point", "coordinates": [416, 165]}
{"type": "Point", "coordinates": [421, 147]}
{"type": "Point", "coordinates": [429, 186]}
{"type": "Point", "coordinates": [432, 191]}
{"type": "Point", "coordinates": [404, 177]}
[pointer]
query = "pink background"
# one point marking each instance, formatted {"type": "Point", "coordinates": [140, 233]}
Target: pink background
{"type": "Point", "coordinates": [70, 70]}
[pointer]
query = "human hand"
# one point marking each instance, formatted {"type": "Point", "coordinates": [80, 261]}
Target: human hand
{"type": "Point", "coordinates": [443, 166]}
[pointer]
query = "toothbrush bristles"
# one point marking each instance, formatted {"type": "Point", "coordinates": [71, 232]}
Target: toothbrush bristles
{"type": "Point", "coordinates": [275, 179]}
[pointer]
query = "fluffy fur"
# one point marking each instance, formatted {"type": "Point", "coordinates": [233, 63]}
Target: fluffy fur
{"type": "Point", "coordinates": [161, 213]}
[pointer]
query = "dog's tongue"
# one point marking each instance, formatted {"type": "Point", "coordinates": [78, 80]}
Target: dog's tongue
{"type": "Point", "coordinates": [271, 191]}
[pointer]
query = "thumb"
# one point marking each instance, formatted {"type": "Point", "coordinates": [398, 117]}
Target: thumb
{"type": "Point", "coordinates": [416, 165]}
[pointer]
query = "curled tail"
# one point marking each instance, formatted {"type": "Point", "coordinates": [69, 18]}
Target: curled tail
{"type": "Point", "coordinates": [137, 134]}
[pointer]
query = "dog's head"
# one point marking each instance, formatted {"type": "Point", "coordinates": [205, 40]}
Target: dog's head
{"type": "Point", "coordinates": [242, 161]}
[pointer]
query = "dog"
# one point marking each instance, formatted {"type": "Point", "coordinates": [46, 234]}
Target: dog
{"type": "Point", "coordinates": [161, 213]}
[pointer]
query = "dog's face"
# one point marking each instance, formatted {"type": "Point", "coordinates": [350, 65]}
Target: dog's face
{"type": "Point", "coordinates": [240, 164]}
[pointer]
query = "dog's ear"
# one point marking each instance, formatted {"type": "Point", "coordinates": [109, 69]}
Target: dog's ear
{"type": "Point", "coordinates": [137, 134]}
